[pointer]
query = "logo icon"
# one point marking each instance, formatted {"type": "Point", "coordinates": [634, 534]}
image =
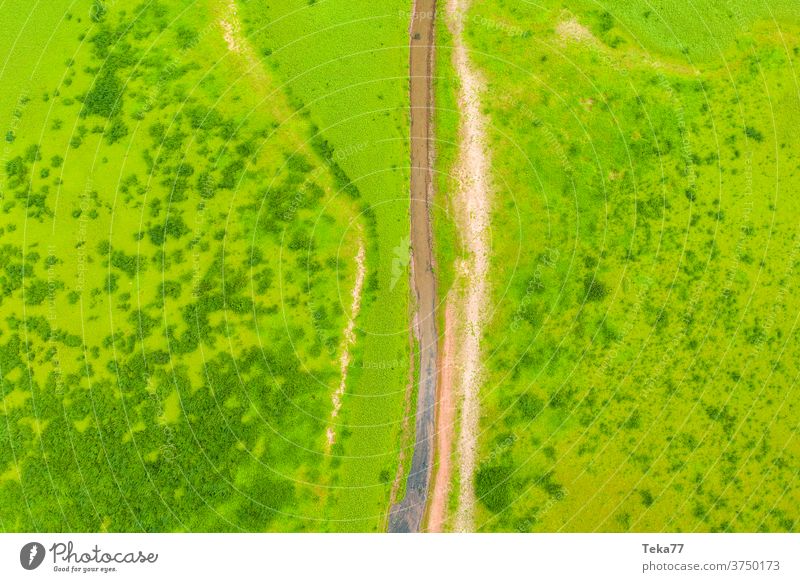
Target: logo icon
{"type": "Point", "coordinates": [401, 259]}
{"type": "Point", "coordinates": [31, 555]}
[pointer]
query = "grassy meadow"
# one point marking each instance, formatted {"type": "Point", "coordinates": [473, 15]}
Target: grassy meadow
{"type": "Point", "coordinates": [642, 346]}
{"type": "Point", "coordinates": [184, 189]}
{"type": "Point", "coordinates": [348, 73]}
{"type": "Point", "coordinates": [180, 218]}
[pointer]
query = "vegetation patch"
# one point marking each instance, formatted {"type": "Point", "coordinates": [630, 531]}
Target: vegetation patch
{"type": "Point", "coordinates": [642, 351]}
{"type": "Point", "coordinates": [174, 238]}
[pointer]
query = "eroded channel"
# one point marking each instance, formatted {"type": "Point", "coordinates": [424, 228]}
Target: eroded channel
{"type": "Point", "coordinates": [407, 515]}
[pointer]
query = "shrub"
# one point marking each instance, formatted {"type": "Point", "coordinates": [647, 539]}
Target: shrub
{"type": "Point", "coordinates": [594, 290]}
{"type": "Point", "coordinates": [105, 96]}
{"type": "Point", "coordinates": [116, 131]}
{"type": "Point", "coordinates": [753, 133]}
{"type": "Point", "coordinates": [493, 487]}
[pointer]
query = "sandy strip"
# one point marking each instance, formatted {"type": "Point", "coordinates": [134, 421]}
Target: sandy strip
{"type": "Point", "coordinates": [473, 202]}
{"type": "Point", "coordinates": [445, 425]}
{"type": "Point", "coordinates": [349, 340]}
{"type": "Point", "coordinates": [232, 30]}
{"type": "Point", "coordinates": [237, 42]}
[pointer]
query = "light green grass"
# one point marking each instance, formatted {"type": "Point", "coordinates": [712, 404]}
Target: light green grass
{"type": "Point", "coordinates": [177, 271]}
{"type": "Point", "coordinates": [346, 67]}
{"type": "Point", "coordinates": [642, 356]}
{"type": "Point", "coordinates": [447, 246]}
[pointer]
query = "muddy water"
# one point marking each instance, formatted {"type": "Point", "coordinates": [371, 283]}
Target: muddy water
{"type": "Point", "coordinates": [407, 515]}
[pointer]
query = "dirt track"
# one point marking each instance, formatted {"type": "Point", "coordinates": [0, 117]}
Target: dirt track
{"type": "Point", "coordinates": [474, 205]}
{"type": "Point", "coordinates": [445, 424]}
{"type": "Point", "coordinates": [407, 515]}
{"type": "Point", "coordinates": [465, 304]}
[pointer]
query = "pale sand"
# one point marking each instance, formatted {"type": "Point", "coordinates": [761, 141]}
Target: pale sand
{"type": "Point", "coordinates": [473, 202]}
{"type": "Point", "coordinates": [349, 340]}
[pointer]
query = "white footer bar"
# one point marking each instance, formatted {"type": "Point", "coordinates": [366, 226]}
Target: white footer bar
{"type": "Point", "coordinates": [410, 558]}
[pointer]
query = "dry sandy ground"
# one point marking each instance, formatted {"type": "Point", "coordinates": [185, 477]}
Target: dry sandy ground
{"type": "Point", "coordinates": [461, 368]}
{"type": "Point", "coordinates": [247, 61]}
{"type": "Point", "coordinates": [573, 30]}
{"type": "Point", "coordinates": [232, 32]}
{"type": "Point", "coordinates": [349, 340]}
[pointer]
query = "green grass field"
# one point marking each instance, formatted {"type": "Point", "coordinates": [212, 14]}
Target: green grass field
{"type": "Point", "coordinates": [176, 231]}
{"type": "Point", "coordinates": [348, 74]}
{"type": "Point", "coordinates": [184, 189]}
{"type": "Point", "coordinates": [642, 350]}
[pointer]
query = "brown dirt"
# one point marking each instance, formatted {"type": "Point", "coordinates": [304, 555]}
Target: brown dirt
{"type": "Point", "coordinates": [407, 515]}
{"type": "Point", "coordinates": [445, 425]}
